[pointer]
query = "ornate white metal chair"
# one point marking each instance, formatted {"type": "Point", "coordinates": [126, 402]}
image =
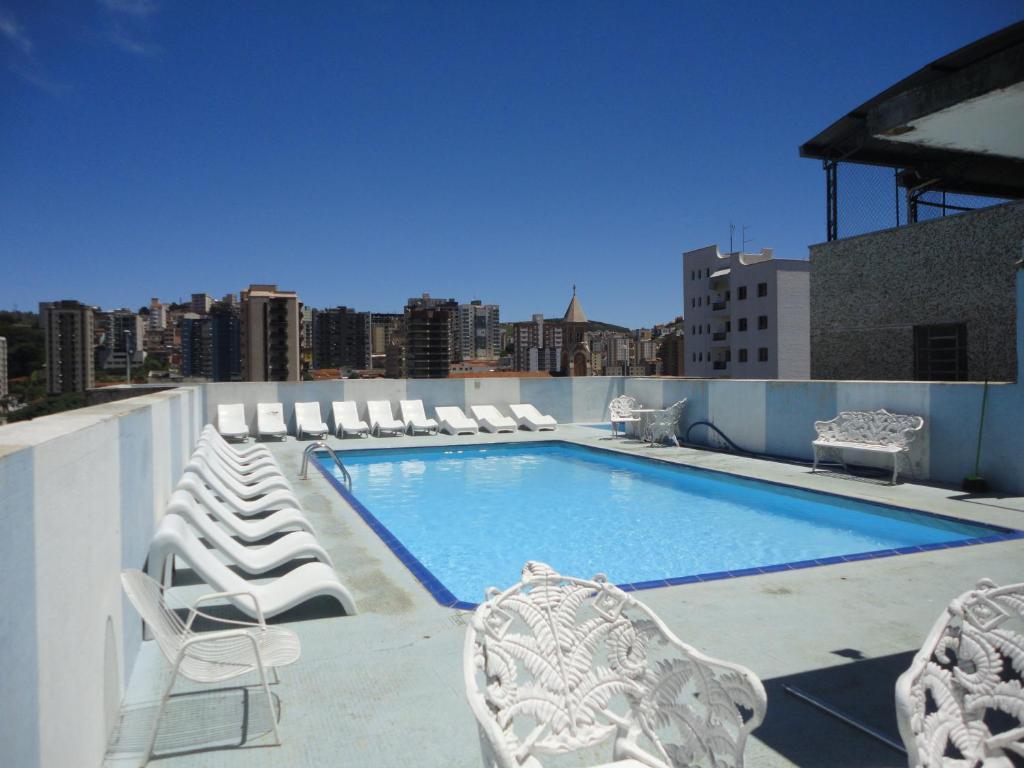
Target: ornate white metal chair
{"type": "Point", "coordinates": [208, 657]}
{"type": "Point", "coordinates": [665, 426]}
{"type": "Point", "coordinates": [556, 664]}
{"type": "Point", "coordinates": [961, 703]}
{"type": "Point", "coordinates": [620, 411]}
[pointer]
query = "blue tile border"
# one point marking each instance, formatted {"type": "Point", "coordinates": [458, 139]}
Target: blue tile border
{"type": "Point", "coordinates": [445, 598]}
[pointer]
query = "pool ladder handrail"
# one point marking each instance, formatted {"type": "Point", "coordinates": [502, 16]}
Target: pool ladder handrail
{"type": "Point", "coordinates": [320, 444]}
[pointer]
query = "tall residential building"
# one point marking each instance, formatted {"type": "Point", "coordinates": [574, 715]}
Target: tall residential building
{"type": "Point", "coordinates": [124, 338]}
{"type": "Point", "coordinates": [211, 345]}
{"type": "Point", "coordinates": [68, 333]}
{"type": "Point", "coordinates": [157, 316]}
{"type": "Point", "coordinates": [341, 338]}
{"type": "Point", "coordinates": [201, 303]}
{"type": "Point", "coordinates": [384, 327]}
{"type": "Point", "coordinates": [429, 337]}
{"type": "Point", "coordinates": [672, 353]}
{"type": "Point", "coordinates": [3, 366]}
{"type": "Point", "coordinates": [270, 334]}
{"type": "Point", "coordinates": [478, 332]}
{"type": "Point", "coordinates": [747, 315]}
{"type": "Point", "coordinates": [196, 346]}
{"type": "Point", "coordinates": [537, 345]}
{"type": "Point", "coordinates": [306, 337]}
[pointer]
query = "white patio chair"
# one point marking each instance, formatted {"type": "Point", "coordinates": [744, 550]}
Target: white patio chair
{"type": "Point", "coordinates": [415, 418]}
{"type": "Point", "coordinates": [382, 419]}
{"type": "Point", "coordinates": [261, 499]}
{"type": "Point", "coordinates": [490, 419]}
{"type": "Point", "coordinates": [259, 559]}
{"type": "Point", "coordinates": [248, 476]}
{"type": "Point", "coordinates": [961, 702]}
{"type": "Point", "coordinates": [453, 421]}
{"type": "Point", "coordinates": [239, 523]}
{"type": "Point", "coordinates": [270, 420]}
{"type": "Point", "coordinates": [556, 664]}
{"type": "Point", "coordinates": [665, 425]}
{"type": "Point", "coordinates": [231, 421]}
{"type": "Point", "coordinates": [174, 538]}
{"type": "Point", "coordinates": [347, 421]}
{"type": "Point", "coordinates": [244, 453]}
{"type": "Point", "coordinates": [308, 421]}
{"type": "Point", "coordinates": [528, 417]}
{"type": "Point", "coordinates": [621, 413]}
{"type": "Point", "coordinates": [209, 657]}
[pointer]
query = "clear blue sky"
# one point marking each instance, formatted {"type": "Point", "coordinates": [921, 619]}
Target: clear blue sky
{"type": "Point", "coordinates": [361, 153]}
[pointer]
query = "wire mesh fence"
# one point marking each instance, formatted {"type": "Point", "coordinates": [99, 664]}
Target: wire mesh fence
{"type": "Point", "coordinates": [869, 198]}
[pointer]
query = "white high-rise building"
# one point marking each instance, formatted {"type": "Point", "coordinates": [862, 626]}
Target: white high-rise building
{"type": "Point", "coordinates": [478, 331]}
{"type": "Point", "coordinates": [157, 315]}
{"type": "Point", "coordinates": [68, 333]}
{"type": "Point", "coordinates": [125, 336]}
{"type": "Point", "coordinates": [747, 315]}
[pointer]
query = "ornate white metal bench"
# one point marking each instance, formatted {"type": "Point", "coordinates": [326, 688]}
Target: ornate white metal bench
{"type": "Point", "coordinates": [557, 664]}
{"type": "Point", "coordinates": [878, 431]}
{"type": "Point", "coordinates": [961, 703]}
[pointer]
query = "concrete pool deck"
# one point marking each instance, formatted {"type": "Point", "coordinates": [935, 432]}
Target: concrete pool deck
{"type": "Point", "coordinates": [385, 687]}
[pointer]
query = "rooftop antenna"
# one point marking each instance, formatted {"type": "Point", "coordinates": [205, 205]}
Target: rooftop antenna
{"type": "Point", "coordinates": [732, 230]}
{"type": "Point", "coordinates": [746, 239]}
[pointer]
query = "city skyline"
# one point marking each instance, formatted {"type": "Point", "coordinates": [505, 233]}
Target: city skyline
{"type": "Point", "coordinates": [493, 152]}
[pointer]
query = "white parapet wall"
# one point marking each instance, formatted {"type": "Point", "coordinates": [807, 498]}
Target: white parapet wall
{"type": "Point", "coordinates": [80, 493]}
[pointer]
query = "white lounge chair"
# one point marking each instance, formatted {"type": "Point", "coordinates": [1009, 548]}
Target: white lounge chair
{"type": "Point", "coordinates": [246, 528]}
{"type": "Point", "coordinates": [308, 421]}
{"type": "Point", "coordinates": [490, 419]}
{"type": "Point", "coordinates": [248, 475]}
{"type": "Point", "coordinates": [273, 492]}
{"type": "Point", "coordinates": [415, 418]}
{"type": "Point", "coordinates": [557, 664]}
{"type": "Point", "coordinates": [528, 417]}
{"type": "Point", "coordinates": [454, 421]}
{"type": "Point", "coordinates": [347, 421]}
{"type": "Point", "coordinates": [209, 657]}
{"type": "Point", "coordinates": [620, 410]}
{"type": "Point", "coordinates": [230, 458]}
{"type": "Point", "coordinates": [258, 559]}
{"type": "Point", "coordinates": [270, 420]}
{"type": "Point", "coordinates": [231, 421]}
{"type": "Point", "coordinates": [244, 453]}
{"type": "Point", "coordinates": [174, 538]}
{"type": "Point", "coordinates": [382, 419]}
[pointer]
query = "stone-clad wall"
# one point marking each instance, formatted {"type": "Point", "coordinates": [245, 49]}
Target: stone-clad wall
{"type": "Point", "coordinates": [868, 292]}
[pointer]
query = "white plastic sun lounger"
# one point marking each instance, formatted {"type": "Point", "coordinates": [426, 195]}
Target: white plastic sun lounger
{"type": "Point", "coordinates": [454, 421]}
{"type": "Point", "coordinates": [308, 421]}
{"type": "Point", "coordinates": [249, 529]}
{"type": "Point", "coordinates": [231, 421]}
{"type": "Point", "coordinates": [255, 560]}
{"type": "Point", "coordinates": [244, 453]}
{"type": "Point", "coordinates": [415, 418]}
{"type": "Point", "coordinates": [528, 417]}
{"type": "Point", "coordinates": [382, 419]}
{"type": "Point", "coordinates": [174, 538]}
{"type": "Point", "coordinates": [347, 421]}
{"type": "Point", "coordinates": [270, 420]}
{"type": "Point", "coordinates": [490, 419]}
{"type": "Point", "coordinates": [273, 492]}
{"type": "Point", "coordinates": [237, 648]}
{"type": "Point", "coordinates": [245, 475]}
{"type": "Point", "coordinates": [231, 459]}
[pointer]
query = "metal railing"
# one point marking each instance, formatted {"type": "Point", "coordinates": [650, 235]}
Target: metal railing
{"type": "Point", "coordinates": [321, 445]}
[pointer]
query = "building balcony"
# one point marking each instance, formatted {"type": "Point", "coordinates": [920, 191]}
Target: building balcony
{"type": "Point", "coordinates": [719, 336]}
{"type": "Point", "coordinates": [720, 306]}
{"type": "Point", "coordinates": [720, 365]}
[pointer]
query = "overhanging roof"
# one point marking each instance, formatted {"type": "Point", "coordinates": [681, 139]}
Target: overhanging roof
{"type": "Point", "coordinates": [957, 124]}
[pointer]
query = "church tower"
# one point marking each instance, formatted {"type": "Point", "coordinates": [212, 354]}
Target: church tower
{"type": "Point", "coordinates": [575, 350]}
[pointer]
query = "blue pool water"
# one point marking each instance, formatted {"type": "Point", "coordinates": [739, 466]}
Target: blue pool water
{"type": "Point", "coordinates": [472, 516]}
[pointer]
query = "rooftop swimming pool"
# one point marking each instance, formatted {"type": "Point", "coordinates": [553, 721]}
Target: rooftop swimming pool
{"type": "Point", "coordinates": [467, 518]}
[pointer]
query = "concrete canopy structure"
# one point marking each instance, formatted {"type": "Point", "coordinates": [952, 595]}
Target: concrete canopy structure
{"type": "Point", "coordinates": [955, 125]}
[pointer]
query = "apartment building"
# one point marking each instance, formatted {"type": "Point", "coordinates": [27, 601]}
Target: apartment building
{"type": "Point", "coordinates": [341, 338]}
{"type": "Point", "coordinates": [196, 346]}
{"type": "Point", "coordinates": [429, 336]}
{"type": "Point", "coordinates": [157, 316]}
{"type": "Point", "coordinates": [746, 315]}
{"type": "Point", "coordinates": [124, 338]}
{"type": "Point", "coordinates": [211, 345]}
{"type": "Point", "coordinates": [478, 331]}
{"type": "Point", "coordinates": [68, 333]}
{"type": "Point", "coordinates": [201, 303]}
{"type": "Point", "coordinates": [537, 345]}
{"type": "Point", "coordinates": [269, 334]}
